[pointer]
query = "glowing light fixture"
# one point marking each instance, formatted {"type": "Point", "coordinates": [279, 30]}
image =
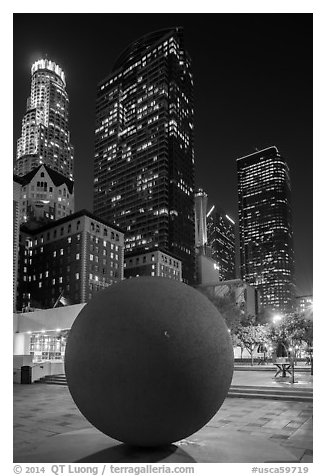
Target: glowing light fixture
{"type": "Point", "coordinates": [277, 318]}
{"type": "Point", "coordinates": [230, 219]}
{"type": "Point", "coordinates": [210, 211]}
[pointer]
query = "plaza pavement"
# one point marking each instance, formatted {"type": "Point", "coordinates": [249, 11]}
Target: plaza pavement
{"type": "Point", "coordinates": [266, 378]}
{"type": "Point", "coordinates": [45, 411]}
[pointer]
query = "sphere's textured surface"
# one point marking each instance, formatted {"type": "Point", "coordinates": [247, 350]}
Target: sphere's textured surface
{"type": "Point", "coordinates": [149, 361]}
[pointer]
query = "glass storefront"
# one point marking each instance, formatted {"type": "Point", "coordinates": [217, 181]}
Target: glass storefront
{"type": "Point", "coordinates": [48, 345]}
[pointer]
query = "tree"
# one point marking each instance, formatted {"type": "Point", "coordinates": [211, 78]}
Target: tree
{"type": "Point", "coordinates": [227, 306]}
{"type": "Point", "coordinates": [292, 332]}
{"type": "Point", "coordinates": [294, 329]}
{"type": "Point", "coordinates": [250, 336]}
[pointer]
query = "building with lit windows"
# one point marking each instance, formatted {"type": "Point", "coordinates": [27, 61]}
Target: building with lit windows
{"type": "Point", "coordinates": [304, 304]}
{"type": "Point", "coordinates": [45, 195]}
{"type": "Point", "coordinates": [153, 263]}
{"type": "Point", "coordinates": [69, 259]}
{"type": "Point", "coordinates": [17, 186]}
{"type": "Point", "coordinates": [265, 227]}
{"type": "Point", "coordinates": [45, 136]}
{"type": "Point", "coordinates": [144, 153]}
{"type": "Point", "coordinates": [200, 220]}
{"type": "Point", "coordinates": [221, 241]}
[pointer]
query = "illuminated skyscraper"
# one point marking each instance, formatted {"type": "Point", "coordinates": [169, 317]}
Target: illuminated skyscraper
{"type": "Point", "coordinates": [144, 154]}
{"type": "Point", "coordinates": [200, 219]}
{"type": "Point", "coordinates": [221, 240]}
{"type": "Point", "coordinates": [45, 137]}
{"type": "Point", "coordinates": [265, 225]}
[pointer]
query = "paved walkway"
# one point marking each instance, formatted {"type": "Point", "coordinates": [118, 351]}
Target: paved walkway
{"type": "Point", "coordinates": [266, 379]}
{"type": "Point", "coordinates": [44, 411]}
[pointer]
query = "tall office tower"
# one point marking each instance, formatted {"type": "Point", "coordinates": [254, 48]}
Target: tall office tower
{"type": "Point", "coordinates": [144, 154]}
{"type": "Point", "coordinates": [200, 220]}
{"type": "Point", "coordinates": [45, 137]}
{"type": "Point", "coordinates": [265, 226]}
{"type": "Point", "coordinates": [221, 240]}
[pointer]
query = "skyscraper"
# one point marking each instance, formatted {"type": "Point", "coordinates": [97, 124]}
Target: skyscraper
{"type": "Point", "coordinates": [45, 137]}
{"type": "Point", "coordinates": [221, 240]}
{"type": "Point", "coordinates": [265, 225]}
{"type": "Point", "coordinates": [200, 219]}
{"type": "Point", "coordinates": [144, 154]}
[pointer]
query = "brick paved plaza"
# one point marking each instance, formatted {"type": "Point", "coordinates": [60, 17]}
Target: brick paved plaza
{"type": "Point", "coordinates": [46, 411]}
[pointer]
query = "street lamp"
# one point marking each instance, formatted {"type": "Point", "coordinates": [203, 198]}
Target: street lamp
{"type": "Point", "coordinates": [277, 318]}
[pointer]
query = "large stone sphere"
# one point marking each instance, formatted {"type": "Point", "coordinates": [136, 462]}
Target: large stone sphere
{"type": "Point", "coordinates": [149, 361]}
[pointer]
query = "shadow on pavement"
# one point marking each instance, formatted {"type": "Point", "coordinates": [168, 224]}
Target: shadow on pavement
{"type": "Point", "coordinates": [130, 454]}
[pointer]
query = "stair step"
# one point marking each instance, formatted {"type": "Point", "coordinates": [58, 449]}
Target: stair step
{"type": "Point", "coordinates": [271, 396]}
{"type": "Point", "coordinates": [302, 394]}
{"type": "Point", "coordinates": [264, 368]}
{"type": "Point", "coordinates": [271, 387]}
{"type": "Point", "coordinates": [281, 391]}
{"type": "Point", "coordinates": [54, 378]}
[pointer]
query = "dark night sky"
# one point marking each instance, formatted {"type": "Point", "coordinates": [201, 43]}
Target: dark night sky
{"type": "Point", "coordinates": [253, 88]}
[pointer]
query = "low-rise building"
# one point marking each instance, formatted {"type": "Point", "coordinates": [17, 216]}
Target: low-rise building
{"type": "Point", "coordinates": [16, 220]}
{"type": "Point", "coordinates": [46, 195]}
{"type": "Point", "coordinates": [305, 304]}
{"type": "Point", "coordinates": [207, 270]}
{"type": "Point", "coordinates": [69, 259]}
{"type": "Point", "coordinates": [246, 296]}
{"type": "Point", "coordinates": [153, 263]}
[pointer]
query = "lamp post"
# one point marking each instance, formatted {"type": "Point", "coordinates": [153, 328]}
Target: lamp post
{"type": "Point", "coordinates": [292, 351]}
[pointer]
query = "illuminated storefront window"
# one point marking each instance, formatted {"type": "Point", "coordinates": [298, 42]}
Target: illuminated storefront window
{"type": "Point", "coordinates": [48, 345]}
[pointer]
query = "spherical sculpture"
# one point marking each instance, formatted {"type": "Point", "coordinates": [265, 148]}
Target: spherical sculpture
{"type": "Point", "coordinates": [149, 361]}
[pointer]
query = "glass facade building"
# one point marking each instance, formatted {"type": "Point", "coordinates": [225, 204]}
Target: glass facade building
{"type": "Point", "coordinates": [45, 136]}
{"type": "Point", "coordinates": [144, 154]}
{"type": "Point", "coordinates": [221, 240]}
{"type": "Point", "coordinates": [265, 227]}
